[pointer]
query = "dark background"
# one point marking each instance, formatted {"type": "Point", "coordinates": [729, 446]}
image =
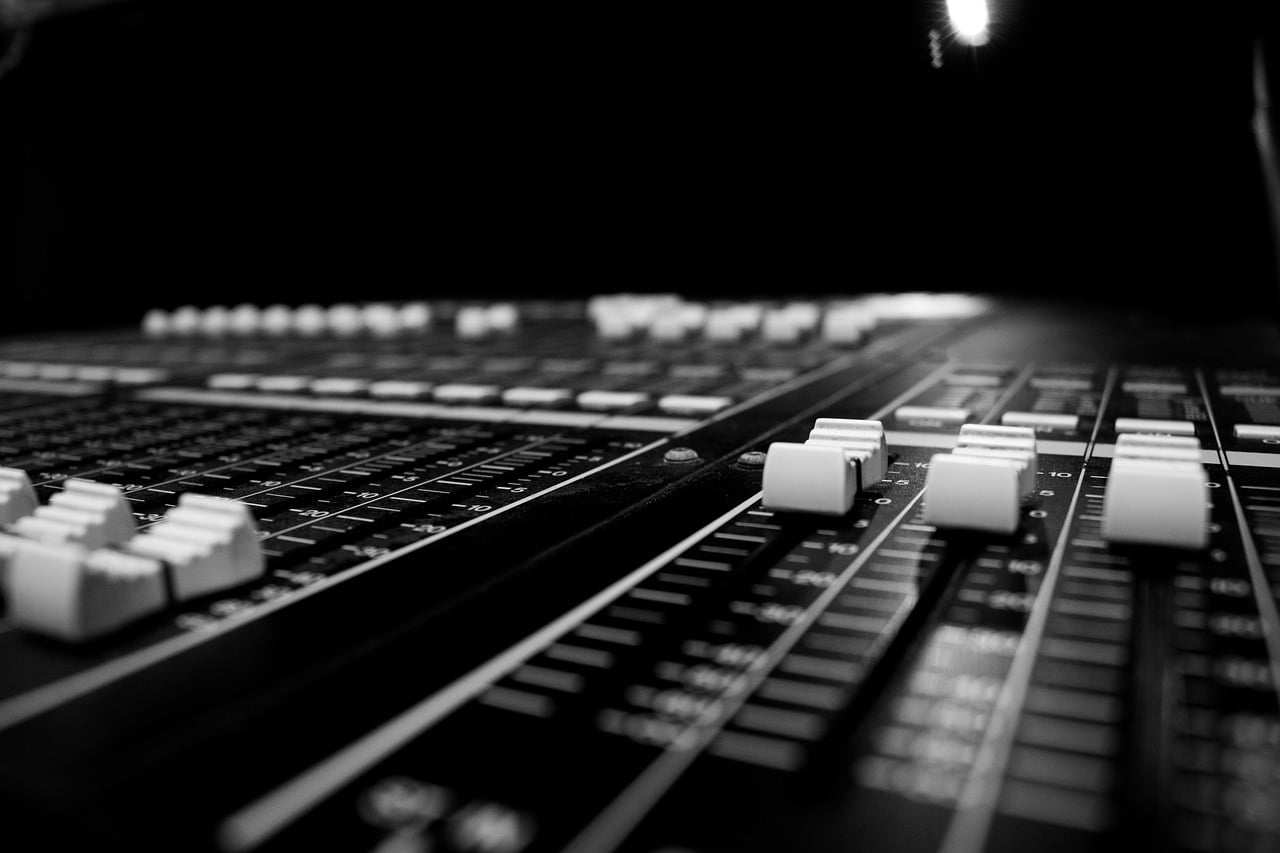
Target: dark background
{"type": "Point", "coordinates": [165, 153]}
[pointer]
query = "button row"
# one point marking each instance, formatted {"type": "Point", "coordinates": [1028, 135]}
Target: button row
{"type": "Point", "coordinates": [54, 370]}
{"type": "Point", "coordinates": [344, 320]}
{"type": "Point", "coordinates": [664, 317]}
{"type": "Point", "coordinates": [468, 393]}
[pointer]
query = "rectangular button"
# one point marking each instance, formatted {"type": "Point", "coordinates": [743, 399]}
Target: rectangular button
{"type": "Point", "coordinates": [339, 386]}
{"type": "Point", "coordinates": [537, 397]}
{"type": "Point", "coordinates": [1249, 391]}
{"type": "Point", "coordinates": [282, 384]}
{"type": "Point", "coordinates": [1256, 432]}
{"type": "Point", "coordinates": [232, 381]}
{"type": "Point", "coordinates": [400, 389]}
{"type": "Point", "coordinates": [465, 392]}
{"type": "Point", "coordinates": [1040, 420]}
{"type": "Point", "coordinates": [1062, 383]}
{"type": "Point", "coordinates": [940, 414]}
{"type": "Point", "coordinates": [1136, 386]}
{"type": "Point", "coordinates": [611, 401]}
{"type": "Point", "coordinates": [1154, 425]}
{"type": "Point", "coordinates": [690, 404]}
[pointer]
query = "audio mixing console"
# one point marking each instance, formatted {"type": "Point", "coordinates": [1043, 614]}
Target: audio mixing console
{"type": "Point", "coordinates": [913, 572]}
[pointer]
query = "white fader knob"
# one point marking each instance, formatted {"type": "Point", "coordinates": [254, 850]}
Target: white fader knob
{"type": "Point", "coordinates": [84, 513]}
{"type": "Point", "coordinates": [1014, 443]}
{"type": "Point", "coordinates": [824, 474]}
{"type": "Point", "coordinates": [76, 593]}
{"type": "Point", "coordinates": [70, 592]}
{"type": "Point", "coordinates": [17, 497]}
{"type": "Point", "coordinates": [862, 441]}
{"type": "Point", "coordinates": [1157, 493]}
{"type": "Point", "coordinates": [209, 543]}
{"type": "Point", "coordinates": [972, 493]}
{"type": "Point", "coordinates": [980, 484]}
{"type": "Point", "coordinates": [809, 478]}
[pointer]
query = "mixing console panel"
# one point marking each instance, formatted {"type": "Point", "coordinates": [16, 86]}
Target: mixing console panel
{"type": "Point", "coordinates": [917, 572]}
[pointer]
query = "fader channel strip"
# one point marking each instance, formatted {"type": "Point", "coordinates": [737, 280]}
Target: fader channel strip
{"type": "Point", "coordinates": [643, 574]}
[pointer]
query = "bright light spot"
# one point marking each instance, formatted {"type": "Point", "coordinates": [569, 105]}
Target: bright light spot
{"type": "Point", "coordinates": [969, 18]}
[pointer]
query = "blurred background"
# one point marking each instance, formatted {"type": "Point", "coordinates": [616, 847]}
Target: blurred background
{"type": "Point", "coordinates": [162, 153]}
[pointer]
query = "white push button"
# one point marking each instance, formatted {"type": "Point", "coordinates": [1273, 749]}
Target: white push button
{"type": "Point", "coordinates": [138, 375]}
{"type": "Point", "coordinates": [1153, 425]}
{"type": "Point", "coordinates": [399, 389]}
{"type": "Point", "coordinates": [940, 415]}
{"type": "Point", "coordinates": [972, 493]}
{"type": "Point", "coordinates": [471, 321]}
{"type": "Point", "coordinates": [215, 321]}
{"type": "Point", "coordinates": [1174, 448]}
{"type": "Point", "coordinates": [502, 317]}
{"type": "Point", "coordinates": [1157, 502]}
{"type": "Point", "coordinates": [780, 326]}
{"type": "Point", "coordinates": [1256, 432]}
{"type": "Point", "coordinates": [611, 401]}
{"type": "Point", "coordinates": [809, 478]}
{"type": "Point", "coordinates": [276, 320]}
{"type": "Point", "coordinates": [309, 320]}
{"type": "Point", "coordinates": [344, 319]}
{"type": "Point", "coordinates": [155, 323]}
{"type": "Point", "coordinates": [245, 319]}
{"type": "Point", "coordinates": [678, 321]}
{"type": "Point", "coordinates": [232, 381]}
{"type": "Point", "coordinates": [463, 392]}
{"type": "Point", "coordinates": [692, 404]}
{"type": "Point", "coordinates": [1041, 420]}
{"type": "Point", "coordinates": [731, 323]}
{"type": "Point", "coordinates": [1250, 390]}
{"type": "Point", "coordinates": [283, 384]}
{"type": "Point", "coordinates": [184, 320]}
{"type": "Point", "coordinates": [537, 398]}
{"type": "Point", "coordinates": [414, 316]}
{"type": "Point", "coordinates": [338, 386]}
{"type": "Point", "coordinates": [381, 320]}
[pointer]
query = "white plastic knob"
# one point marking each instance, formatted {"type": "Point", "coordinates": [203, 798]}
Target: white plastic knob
{"type": "Point", "coordinates": [809, 478]}
{"type": "Point", "coordinates": [1157, 502]}
{"type": "Point", "coordinates": [74, 593]}
{"type": "Point", "coordinates": [972, 493]}
{"type": "Point", "coordinates": [209, 544]}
